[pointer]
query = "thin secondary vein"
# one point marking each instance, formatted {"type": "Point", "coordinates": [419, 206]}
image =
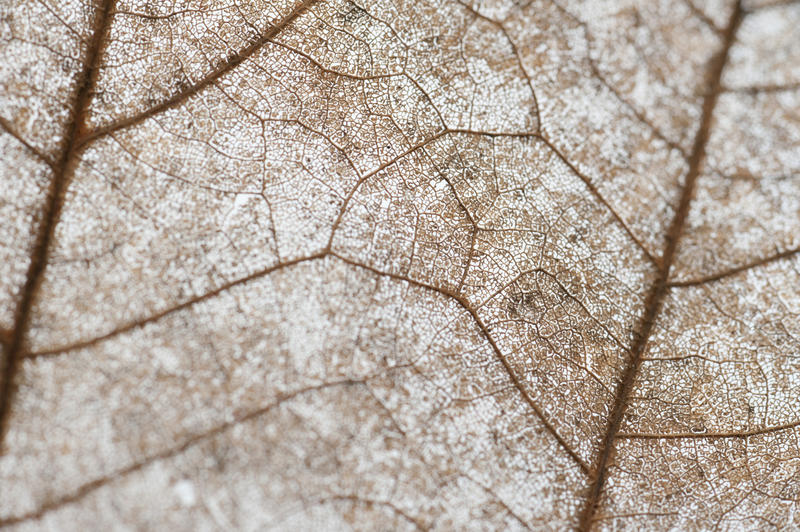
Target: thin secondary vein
{"type": "Point", "coordinates": [86, 489]}
{"type": "Point", "coordinates": [9, 128]}
{"type": "Point", "coordinates": [708, 435]}
{"type": "Point", "coordinates": [171, 310]}
{"type": "Point", "coordinates": [738, 269]}
{"type": "Point", "coordinates": [757, 89]}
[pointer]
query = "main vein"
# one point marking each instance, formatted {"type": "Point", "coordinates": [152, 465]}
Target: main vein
{"type": "Point", "coordinates": [660, 288]}
{"type": "Point", "coordinates": [49, 215]}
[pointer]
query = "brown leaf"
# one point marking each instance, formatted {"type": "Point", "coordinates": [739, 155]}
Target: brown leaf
{"type": "Point", "coordinates": [401, 264]}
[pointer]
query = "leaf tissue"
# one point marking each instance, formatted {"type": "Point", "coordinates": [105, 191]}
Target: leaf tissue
{"type": "Point", "coordinates": [400, 264]}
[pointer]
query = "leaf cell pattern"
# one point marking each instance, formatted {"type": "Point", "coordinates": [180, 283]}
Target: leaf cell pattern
{"type": "Point", "coordinates": [409, 265]}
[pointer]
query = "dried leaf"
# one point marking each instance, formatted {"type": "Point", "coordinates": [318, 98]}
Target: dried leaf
{"type": "Point", "coordinates": [400, 264]}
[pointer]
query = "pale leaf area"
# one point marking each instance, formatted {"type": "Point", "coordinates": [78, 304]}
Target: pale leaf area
{"type": "Point", "coordinates": [400, 265]}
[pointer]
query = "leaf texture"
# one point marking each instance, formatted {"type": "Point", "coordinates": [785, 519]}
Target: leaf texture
{"type": "Point", "coordinates": [323, 264]}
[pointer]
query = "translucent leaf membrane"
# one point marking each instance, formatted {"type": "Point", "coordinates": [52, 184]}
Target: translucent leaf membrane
{"type": "Point", "coordinates": [767, 54]}
{"type": "Point", "coordinates": [619, 90]}
{"type": "Point", "coordinates": [26, 177]}
{"type": "Point", "coordinates": [43, 44]}
{"type": "Point", "coordinates": [399, 265]}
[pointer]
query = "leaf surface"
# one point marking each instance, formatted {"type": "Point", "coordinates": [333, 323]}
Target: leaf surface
{"type": "Point", "coordinates": [403, 265]}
